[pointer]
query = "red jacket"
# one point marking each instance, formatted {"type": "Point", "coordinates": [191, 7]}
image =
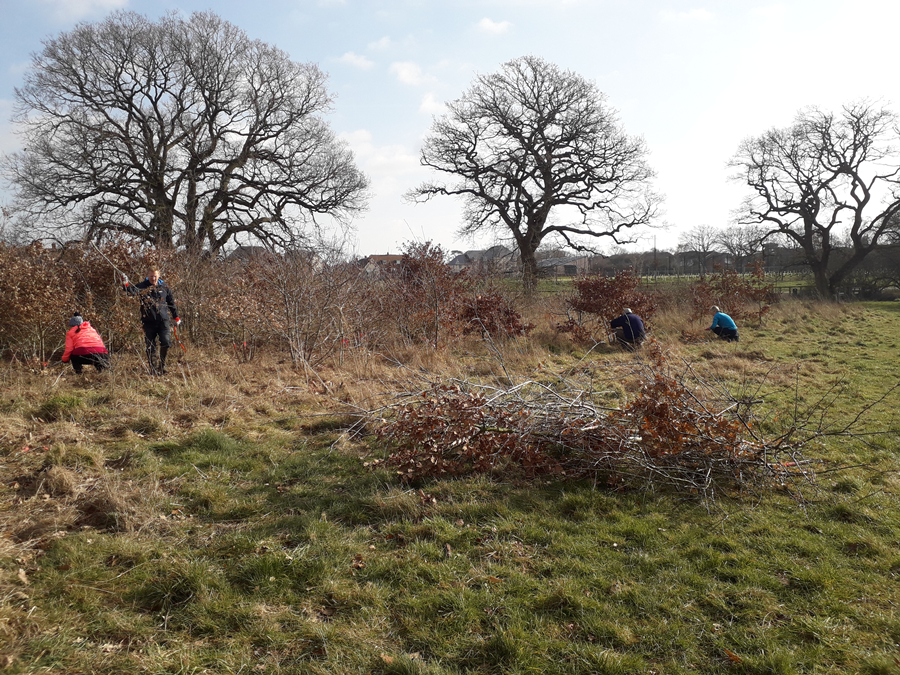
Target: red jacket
{"type": "Point", "coordinates": [82, 340]}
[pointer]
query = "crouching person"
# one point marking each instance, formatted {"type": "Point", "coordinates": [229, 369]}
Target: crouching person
{"type": "Point", "coordinates": [724, 326]}
{"type": "Point", "coordinates": [629, 330]}
{"type": "Point", "coordinates": [84, 346]}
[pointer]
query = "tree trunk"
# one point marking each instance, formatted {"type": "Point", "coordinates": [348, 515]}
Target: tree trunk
{"type": "Point", "coordinates": [823, 283]}
{"type": "Point", "coordinates": [529, 271]}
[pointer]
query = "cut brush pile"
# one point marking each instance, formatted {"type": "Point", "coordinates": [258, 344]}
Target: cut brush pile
{"type": "Point", "coordinates": [676, 431]}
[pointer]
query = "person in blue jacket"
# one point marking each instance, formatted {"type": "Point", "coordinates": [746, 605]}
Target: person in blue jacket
{"type": "Point", "coordinates": [724, 326]}
{"type": "Point", "coordinates": [629, 329]}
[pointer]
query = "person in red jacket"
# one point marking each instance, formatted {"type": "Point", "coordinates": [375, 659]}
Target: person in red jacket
{"type": "Point", "coordinates": [84, 346]}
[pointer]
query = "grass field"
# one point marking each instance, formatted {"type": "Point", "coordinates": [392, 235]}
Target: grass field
{"type": "Point", "coordinates": [221, 520]}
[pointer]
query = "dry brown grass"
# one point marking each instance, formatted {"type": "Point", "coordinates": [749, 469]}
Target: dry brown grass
{"type": "Point", "coordinates": [46, 503]}
{"type": "Point", "coordinates": [65, 437]}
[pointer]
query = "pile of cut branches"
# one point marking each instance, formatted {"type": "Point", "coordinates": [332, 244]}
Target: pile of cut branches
{"type": "Point", "coordinates": [676, 431]}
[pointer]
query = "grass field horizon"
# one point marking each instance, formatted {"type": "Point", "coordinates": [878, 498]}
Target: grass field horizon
{"type": "Point", "coordinates": [227, 519]}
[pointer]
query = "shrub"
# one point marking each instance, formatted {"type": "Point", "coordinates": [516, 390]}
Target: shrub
{"type": "Point", "coordinates": [490, 314]}
{"type": "Point", "coordinates": [422, 295]}
{"type": "Point", "coordinates": [745, 298]}
{"type": "Point", "coordinates": [39, 296]}
{"type": "Point", "coordinates": [599, 299]}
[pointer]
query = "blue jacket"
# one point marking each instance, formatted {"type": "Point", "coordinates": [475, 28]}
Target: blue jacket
{"type": "Point", "coordinates": [723, 320]}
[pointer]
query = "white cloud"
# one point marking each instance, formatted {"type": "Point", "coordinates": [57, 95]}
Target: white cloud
{"type": "Point", "coordinates": [769, 13]}
{"type": "Point", "coordinates": [693, 15]}
{"type": "Point", "coordinates": [383, 162]}
{"type": "Point", "coordinates": [410, 73]}
{"type": "Point", "coordinates": [383, 43]}
{"type": "Point", "coordinates": [431, 105]}
{"type": "Point", "coordinates": [17, 70]}
{"type": "Point", "coordinates": [356, 61]}
{"type": "Point", "coordinates": [74, 10]}
{"type": "Point", "coordinates": [496, 27]}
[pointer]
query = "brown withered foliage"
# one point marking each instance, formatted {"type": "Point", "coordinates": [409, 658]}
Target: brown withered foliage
{"type": "Point", "coordinates": [421, 295]}
{"type": "Point", "coordinates": [599, 299]}
{"type": "Point", "coordinates": [663, 437]}
{"type": "Point", "coordinates": [743, 297]}
{"type": "Point", "coordinates": [42, 287]}
{"type": "Point", "coordinates": [311, 304]}
{"type": "Point", "coordinates": [451, 431]}
{"type": "Point", "coordinates": [490, 313]}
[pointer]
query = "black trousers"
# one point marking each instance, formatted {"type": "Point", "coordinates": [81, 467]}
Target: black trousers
{"type": "Point", "coordinates": [153, 332]}
{"type": "Point", "coordinates": [629, 342]}
{"type": "Point", "coordinates": [727, 334]}
{"type": "Point", "coordinates": [99, 361]}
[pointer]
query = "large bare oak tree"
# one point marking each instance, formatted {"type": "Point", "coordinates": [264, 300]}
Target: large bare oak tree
{"type": "Point", "coordinates": [533, 141]}
{"type": "Point", "coordinates": [177, 132]}
{"type": "Point", "coordinates": [825, 180]}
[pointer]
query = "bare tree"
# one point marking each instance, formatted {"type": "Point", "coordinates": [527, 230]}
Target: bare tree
{"type": "Point", "coordinates": [742, 242]}
{"type": "Point", "coordinates": [181, 131]}
{"type": "Point", "coordinates": [701, 241]}
{"type": "Point", "coordinates": [5, 223]}
{"type": "Point", "coordinates": [533, 140]}
{"type": "Point", "coordinates": [826, 176]}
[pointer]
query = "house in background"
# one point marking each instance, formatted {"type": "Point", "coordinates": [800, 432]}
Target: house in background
{"type": "Point", "coordinates": [494, 259]}
{"type": "Point", "coordinates": [376, 265]}
{"type": "Point", "coordinates": [568, 266]}
{"type": "Point", "coordinates": [245, 252]}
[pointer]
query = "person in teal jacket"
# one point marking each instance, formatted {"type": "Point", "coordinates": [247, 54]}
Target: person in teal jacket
{"type": "Point", "coordinates": [724, 326]}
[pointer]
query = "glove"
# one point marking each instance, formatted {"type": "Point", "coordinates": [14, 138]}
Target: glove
{"type": "Point", "coordinates": [177, 321]}
{"type": "Point", "coordinates": [124, 279]}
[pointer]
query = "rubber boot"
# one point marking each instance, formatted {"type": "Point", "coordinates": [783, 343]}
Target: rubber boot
{"type": "Point", "coordinates": [163, 352]}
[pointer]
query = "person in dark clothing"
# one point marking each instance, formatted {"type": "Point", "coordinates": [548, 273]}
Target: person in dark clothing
{"type": "Point", "coordinates": [629, 329]}
{"type": "Point", "coordinates": [158, 314]}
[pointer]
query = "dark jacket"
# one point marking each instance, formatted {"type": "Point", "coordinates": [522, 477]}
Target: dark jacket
{"type": "Point", "coordinates": [157, 303]}
{"type": "Point", "coordinates": [632, 327]}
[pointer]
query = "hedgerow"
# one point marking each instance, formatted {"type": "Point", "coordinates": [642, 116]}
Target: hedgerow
{"type": "Point", "coordinates": [312, 305]}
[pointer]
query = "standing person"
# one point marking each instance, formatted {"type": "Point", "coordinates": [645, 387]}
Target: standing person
{"type": "Point", "coordinates": [629, 329]}
{"type": "Point", "coordinates": [84, 346]}
{"type": "Point", "coordinates": [724, 326]}
{"type": "Point", "coordinates": [158, 312]}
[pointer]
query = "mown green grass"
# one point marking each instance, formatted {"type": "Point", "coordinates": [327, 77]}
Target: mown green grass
{"type": "Point", "coordinates": [318, 565]}
{"type": "Point", "coordinates": [286, 554]}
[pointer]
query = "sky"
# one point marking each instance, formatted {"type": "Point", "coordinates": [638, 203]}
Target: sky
{"type": "Point", "coordinates": [692, 78]}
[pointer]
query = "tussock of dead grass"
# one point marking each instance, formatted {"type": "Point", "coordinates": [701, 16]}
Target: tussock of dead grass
{"type": "Point", "coordinates": [55, 500]}
{"type": "Point", "coordinates": [58, 482]}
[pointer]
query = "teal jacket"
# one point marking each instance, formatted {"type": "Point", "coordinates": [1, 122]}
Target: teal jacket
{"type": "Point", "coordinates": [723, 320]}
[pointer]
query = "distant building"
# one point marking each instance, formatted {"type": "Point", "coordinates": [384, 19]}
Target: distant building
{"type": "Point", "coordinates": [568, 266]}
{"type": "Point", "coordinates": [376, 265]}
{"type": "Point", "coordinates": [494, 259]}
{"type": "Point", "coordinates": [244, 253]}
